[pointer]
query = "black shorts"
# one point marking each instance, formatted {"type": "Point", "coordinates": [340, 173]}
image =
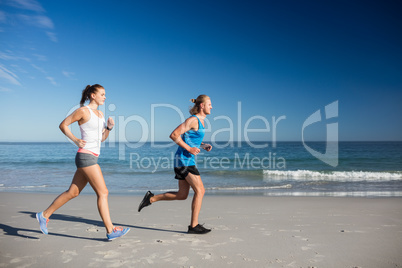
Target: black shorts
{"type": "Point", "coordinates": [182, 172]}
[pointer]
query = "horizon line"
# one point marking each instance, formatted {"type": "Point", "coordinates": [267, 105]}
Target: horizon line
{"type": "Point", "coordinates": [236, 141]}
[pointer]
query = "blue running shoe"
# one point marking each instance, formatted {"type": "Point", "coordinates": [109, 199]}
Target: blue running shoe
{"type": "Point", "coordinates": [42, 222]}
{"type": "Point", "coordinates": [117, 232]}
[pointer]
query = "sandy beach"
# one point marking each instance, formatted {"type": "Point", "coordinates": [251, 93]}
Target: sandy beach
{"type": "Point", "coordinates": [248, 231]}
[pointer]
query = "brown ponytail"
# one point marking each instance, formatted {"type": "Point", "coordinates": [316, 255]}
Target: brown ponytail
{"type": "Point", "coordinates": [86, 93]}
{"type": "Point", "coordinates": [196, 108]}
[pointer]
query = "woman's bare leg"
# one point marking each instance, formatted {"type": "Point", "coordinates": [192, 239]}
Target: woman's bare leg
{"type": "Point", "coordinates": [95, 178]}
{"type": "Point", "coordinates": [77, 185]}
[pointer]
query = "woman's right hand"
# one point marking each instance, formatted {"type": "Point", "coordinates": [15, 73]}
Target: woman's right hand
{"type": "Point", "coordinates": [194, 150]}
{"type": "Point", "coordinates": [80, 143]}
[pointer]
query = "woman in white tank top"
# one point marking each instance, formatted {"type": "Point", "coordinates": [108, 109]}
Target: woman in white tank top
{"type": "Point", "coordinates": [94, 130]}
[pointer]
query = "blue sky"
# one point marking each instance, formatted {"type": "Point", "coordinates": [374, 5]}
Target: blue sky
{"type": "Point", "coordinates": [274, 59]}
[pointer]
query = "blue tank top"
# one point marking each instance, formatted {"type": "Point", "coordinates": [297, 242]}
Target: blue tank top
{"type": "Point", "coordinates": [193, 139]}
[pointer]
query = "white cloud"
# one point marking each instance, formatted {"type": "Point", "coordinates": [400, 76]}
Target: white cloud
{"type": "Point", "coordinates": [40, 22]}
{"type": "Point", "coordinates": [26, 4]}
{"type": "Point", "coordinates": [51, 79]}
{"type": "Point", "coordinates": [8, 76]}
{"type": "Point", "coordinates": [9, 55]}
{"type": "Point", "coordinates": [18, 68]}
{"type": "Point", "coordinates": [25, 15]}
{"type": "Point", "coordinates": [37, 21]}
{"type": "Point", "coordinates": [4, 89]}
{"type": "Point", "coordinates": [52, 37]}
{"type": "Point", "coordinates": [68, 74]}
{"type": "Point", "coordinates": [2, 17]}
{"type": "Point", "coordinates": [44, 22]}
{"type": "Point", "coordinates": [39, 68]}
{"type": "Point", "coordinates": [40, 57]}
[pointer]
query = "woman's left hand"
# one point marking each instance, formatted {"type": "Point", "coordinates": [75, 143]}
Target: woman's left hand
{"type": "Point", "coordinates": [110, 123]}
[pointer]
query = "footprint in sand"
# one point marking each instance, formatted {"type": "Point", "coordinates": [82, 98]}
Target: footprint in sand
{"type": "Point", "coordinates": [111, 254]}
{"type": "Point", "coordinates": [182, 260]}
{"type": "Point", "coordinates": [68, 255]}
{"type": "Point", "coordinates": [207, 256]}
{"type": "Point", "coordinates": [235, 239]}
{"type": "Point", "coordinates": [93, 229]}
{"type": "Point", "coordinates": [15, 260]}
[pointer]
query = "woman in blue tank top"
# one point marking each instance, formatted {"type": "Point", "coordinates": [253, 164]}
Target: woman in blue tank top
{"type": "Point", "coordinates": [188, 136]}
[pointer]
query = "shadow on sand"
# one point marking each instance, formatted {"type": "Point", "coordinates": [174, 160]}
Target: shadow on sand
{"type": "Point", "coordinates": [18, 232]}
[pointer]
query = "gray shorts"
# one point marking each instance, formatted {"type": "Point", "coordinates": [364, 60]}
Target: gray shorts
{"type": "Point", "coordinates": [85, 160]}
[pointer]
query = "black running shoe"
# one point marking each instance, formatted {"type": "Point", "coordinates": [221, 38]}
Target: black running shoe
{"type": "Point", "coordinates": [146, 201]}
{"type": "Point", "coordinates": [199, 229]}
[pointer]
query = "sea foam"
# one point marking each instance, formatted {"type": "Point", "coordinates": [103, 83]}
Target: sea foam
{"type": "Point", "coordinates": [334, 175]}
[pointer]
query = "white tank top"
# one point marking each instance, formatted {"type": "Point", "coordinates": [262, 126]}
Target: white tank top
{"type": "Point", "coordinates": [92, 131]}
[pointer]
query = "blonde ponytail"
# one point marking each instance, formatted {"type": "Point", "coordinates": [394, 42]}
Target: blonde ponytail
{"type": "Point", "coordinates": [196, 108]}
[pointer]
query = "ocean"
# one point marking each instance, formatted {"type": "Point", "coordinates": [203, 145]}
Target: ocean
{"type": "Point", "coordinates": [369, 169]}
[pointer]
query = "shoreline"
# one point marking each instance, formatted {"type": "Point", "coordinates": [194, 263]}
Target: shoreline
{"type": "Point", "coordinates": [88, 191]}
{"type": "Point", "coordinates": [247, 231]}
